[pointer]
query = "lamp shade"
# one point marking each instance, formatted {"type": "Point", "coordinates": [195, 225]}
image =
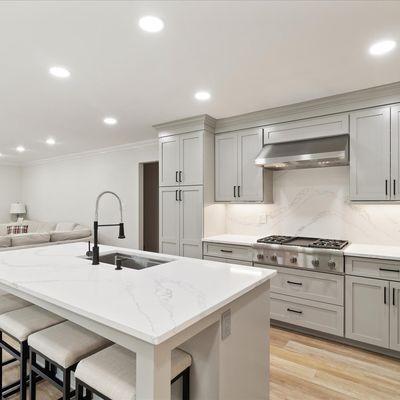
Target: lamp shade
{"type": "Point", "coordinates": [18, 208]}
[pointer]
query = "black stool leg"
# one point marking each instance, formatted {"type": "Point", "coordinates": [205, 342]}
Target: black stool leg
{"type": "Point", "coordinates": [79, 391]}
{"type": "Point", "coordinates": [66, 384]}
{"type": "Point", "coordinates": [23, 370]}
{"type": "Point", "coordinates": [186, 384]}
{"type": "Point", "coordinates": [32, 383]}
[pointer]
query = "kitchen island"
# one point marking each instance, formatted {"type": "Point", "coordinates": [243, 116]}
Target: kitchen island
{"type": "Point", "coordinates": [217, 312]}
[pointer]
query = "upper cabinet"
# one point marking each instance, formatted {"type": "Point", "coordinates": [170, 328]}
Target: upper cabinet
{"type": "Point", "coordinates": [181, 159]}
{"type": "Point", "coordinates": [237, 178]}
{"type": "Point", "coordinates": [374, 160]}
{"type": "Point", "coordinates": [309, 128]}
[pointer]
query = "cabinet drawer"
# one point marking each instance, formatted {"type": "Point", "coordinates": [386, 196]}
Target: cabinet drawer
{"type": "Point", "coordinates": [373, 268]}
{"type": "Point", "coordinates": [227, 260]}
{"type": "Point", "coordinates": [310, 128]}
{"type": "Point", "coordinates": [327, 288]}
{"type": "Point", "coordinates": [309, 314]}
{"type": "Point", "coordinates": [244, 253]}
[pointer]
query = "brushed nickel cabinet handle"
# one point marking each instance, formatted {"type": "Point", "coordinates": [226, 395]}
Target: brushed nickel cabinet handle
{"type": "Point", "coordinates": [180, 176]}
{"type": "Point", "coordinates": [394, 187]}
{"type": "Point", "coordinates": [176, 176]}
{"type": "Point", "coordinates": [386, 187]}
{"type": "Point", "coordinates": [294, 311]}
{"type": "Point", "coordinates": [234, 191]}
{"type": "Point", "coordinates": [238, 191]}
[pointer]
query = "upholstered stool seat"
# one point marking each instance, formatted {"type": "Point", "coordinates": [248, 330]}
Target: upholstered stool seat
{"type": "Point", "coordinates": [19, 324]}
{"type": "Point", "coordinates": [62, 345]}
{"type": "Point", "coordinates": [111, 373]}
{"type": "Point", "coordinates": [9, 302]}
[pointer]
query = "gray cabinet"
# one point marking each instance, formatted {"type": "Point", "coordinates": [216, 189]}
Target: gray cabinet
{"type": "Point", "coordinates": [169, 220]}
{"type": "Point", "coordinates": [395, 152]}
{"type": "Point", "coordinates": [190, 221]}
{"type": "Point", "coordinates": [395, 316]}
{"type": "Point", "coordinates": [181, 159]}
{"type": "Point", "coordinates": [310, 128]}
{"type": "Point", "coordinates": [181, 221]}
{"type": "Point", "coordinates": [367, 310]}
{"type": "Point", "coordinates": [237, 178]}
{"type": "Point", "coordinates": [370, 154]}
{"type": "Point", "coordinates": [226, 166]}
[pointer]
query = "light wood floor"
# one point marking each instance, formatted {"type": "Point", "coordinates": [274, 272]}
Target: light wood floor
{"type": "Point", "coordinates": [306, 368]}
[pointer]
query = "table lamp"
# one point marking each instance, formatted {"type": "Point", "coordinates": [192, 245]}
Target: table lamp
{"type": "Point", "coordinates": [17, 209]}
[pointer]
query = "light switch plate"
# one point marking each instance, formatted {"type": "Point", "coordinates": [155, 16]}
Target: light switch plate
{"type": "Point", "coordinates": [225, 324]}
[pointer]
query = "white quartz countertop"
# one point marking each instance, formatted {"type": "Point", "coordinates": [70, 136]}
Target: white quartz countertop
{"type": "Point", "coordinates": [373, 251]}
{"type": "Point", "coordinates": [243, 240]}
{"type": "Point", "coordinates": [152, 304]}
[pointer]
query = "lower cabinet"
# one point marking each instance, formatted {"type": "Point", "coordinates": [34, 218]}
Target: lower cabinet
{"type": "Point", "coordinates": [372, 311]}
{"type": "Point", "coordinates": [228, 260]}
{"type": "Point", "coordinates": [309, 314]}
{"type": "Point", "coordinates": [181, 221]}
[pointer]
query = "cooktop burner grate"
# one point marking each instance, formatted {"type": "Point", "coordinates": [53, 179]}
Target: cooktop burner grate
{"type": "Point", "coordinates": [305, 242]}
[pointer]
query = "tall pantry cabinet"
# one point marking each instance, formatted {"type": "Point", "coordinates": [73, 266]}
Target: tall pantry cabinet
{"type": "Point", "coordinates": [186, 156]}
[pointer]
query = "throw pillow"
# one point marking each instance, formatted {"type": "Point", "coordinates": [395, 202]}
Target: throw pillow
{"type": "Point", "coordinates": [17, 229]}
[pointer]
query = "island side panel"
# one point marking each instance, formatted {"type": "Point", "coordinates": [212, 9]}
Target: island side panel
{"type": "Point", "coordinates": [237, 367]}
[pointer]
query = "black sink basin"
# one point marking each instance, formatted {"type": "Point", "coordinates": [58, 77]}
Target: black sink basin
{"type": "Point", "coordinates": [130, 260]}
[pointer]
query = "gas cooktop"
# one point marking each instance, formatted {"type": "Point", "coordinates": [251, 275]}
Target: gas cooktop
{"type": "Point", "coordinates": [305, 242]}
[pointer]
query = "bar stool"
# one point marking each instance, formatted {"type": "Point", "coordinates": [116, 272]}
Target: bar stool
{"type": "Point", "coordinates": [19, 324]}
{"type": "Point", "coordinates": [9, 302]}
{"type": "Point", "coordinates": [62, 346]}
{"type": "Point", "coordinates": [110, 373]}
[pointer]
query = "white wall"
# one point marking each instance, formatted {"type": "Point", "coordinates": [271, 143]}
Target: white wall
{"type": "Point", "coordinates": [10, 189]}
{"type": "Point", "coordinates": [315, 202]}
{"type": "Point", "coordinates": [66, 190]}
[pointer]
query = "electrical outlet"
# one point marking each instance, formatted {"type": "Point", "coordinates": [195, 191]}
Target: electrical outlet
{"type": "Point", "coordinates": [226, 324]}
{"type": "Point", "coordinates": [262, 219]}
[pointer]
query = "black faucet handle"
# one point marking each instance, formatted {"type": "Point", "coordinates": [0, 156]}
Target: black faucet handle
{"type": "Point", "coordinates": [89, 253]}
{"type": "Point", "coordinates": [118, 263]}
{"type": "Point", "coordinates": [121, 231]}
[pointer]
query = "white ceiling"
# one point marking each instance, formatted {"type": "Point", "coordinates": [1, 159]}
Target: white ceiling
{"type": "Point", "coordinates": [249, 55]}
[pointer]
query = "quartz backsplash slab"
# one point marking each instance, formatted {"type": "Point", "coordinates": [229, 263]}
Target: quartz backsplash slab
{"type": "Point", "coordinates": [315, 202]}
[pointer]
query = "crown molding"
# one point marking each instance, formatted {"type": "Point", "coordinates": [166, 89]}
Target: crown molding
{"type": "Point", "coordinates": [95, 152]}
{"type": "Point", "coordinates": [375, 96]}
{"type": "Point", "coordinates": [186, 125]}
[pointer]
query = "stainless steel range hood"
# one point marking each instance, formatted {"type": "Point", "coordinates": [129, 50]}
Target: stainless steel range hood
{"type": "Point", "coordinates": [311, 153]}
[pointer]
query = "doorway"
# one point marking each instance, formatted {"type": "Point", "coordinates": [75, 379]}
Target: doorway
{"type": "Point", "coordinates": [149, 206]}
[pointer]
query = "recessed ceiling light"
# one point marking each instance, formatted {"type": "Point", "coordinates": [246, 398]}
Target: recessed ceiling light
{"type": "Point", "coordinates": [20, 149]}
{"type": "Point", "coordinates": [110, 121]}
{"type": "Point", "coordinates": [50, 141]}
{"type": "Point", "coordinates": [382, 47]}
{"type": "Point", "coordinates": [59, 72]}
{"type": "Point", "coordinates": [151, 24]}
{"type": "Point", "coordinates": [202, 96]}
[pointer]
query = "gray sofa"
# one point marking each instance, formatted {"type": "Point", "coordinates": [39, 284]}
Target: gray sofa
{"type": "Point", "coordinates": [42, 234]}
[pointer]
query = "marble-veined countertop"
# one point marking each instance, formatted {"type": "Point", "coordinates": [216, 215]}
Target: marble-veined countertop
{"type": "Point", "coordinates": [152, 304]}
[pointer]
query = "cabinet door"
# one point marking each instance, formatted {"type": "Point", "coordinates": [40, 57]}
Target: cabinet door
{"type": "Point", "coordinates": [395, 151]}
{"type": "Point", "coordinates": [191, 221]}
{"type": "Point", "coordinates": [370, 154]}
{"type": "Point", "coordinates": [169, 160]}
{"type": "Point", "coordinates": [226, 160]}
{"type": "Point", "coordinates": [250, 176]}
{"type": "Point", "coordinates": [395, 316]}
{"type": "Point", "coordinates": [191, 159]}
{"type": "Point", "coordinates": [169, 221]}
{"type": "Point", "coordinates": [367, 310]}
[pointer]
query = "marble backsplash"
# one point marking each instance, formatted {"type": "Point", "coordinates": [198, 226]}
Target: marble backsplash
{"type": "Point", "coordinates": [315, 202]}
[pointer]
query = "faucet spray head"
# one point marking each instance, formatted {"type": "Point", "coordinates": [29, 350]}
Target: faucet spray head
{"type": "Point", "coordinates": [121, 231]}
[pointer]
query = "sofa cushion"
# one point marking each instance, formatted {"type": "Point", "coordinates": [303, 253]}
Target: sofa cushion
{"type": "Point", "coordinates": [26, 239]}
{"type": "Point", "coordinates": [5, 241]}
{"type": "Point", "coordinates": [70, 235]}
{"type": "Point", "coordinates": [38, 226]}
{"type": "Point", "coordinates": [65, 226]}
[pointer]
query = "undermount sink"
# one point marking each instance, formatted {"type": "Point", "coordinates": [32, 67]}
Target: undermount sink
{"type": "Point", "coordinates": [130, 260]}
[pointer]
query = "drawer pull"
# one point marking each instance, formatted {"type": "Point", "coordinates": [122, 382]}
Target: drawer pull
{"type": "Point", "coordinates": [389, 270]}
{"type": "Point", "coordinates": [294, 311]}
{"type": "Point", "coordinates": [295, 283]}
{"type": "Point", "coordinates": [394, 296]}
{"type": "Point", "coordinates": [384, 295]}
{"type": "Point", "coordinates": [226, 251]}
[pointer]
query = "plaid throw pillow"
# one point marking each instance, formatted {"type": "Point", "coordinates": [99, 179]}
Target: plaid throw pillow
{"type": "Point", "coordinates": [16, 229]}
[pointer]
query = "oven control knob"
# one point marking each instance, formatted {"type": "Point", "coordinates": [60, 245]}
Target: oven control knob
{"type": "Point", "coordinates": [315, 262]}
{"type": "Point", "coordinates": [331, 264]}
{"type": "Point", "coordinates": [293, 260]}
{"type": "Point", "coordinates": [260, 256]}
{"type": "Point", "coordinates": [274, 258]}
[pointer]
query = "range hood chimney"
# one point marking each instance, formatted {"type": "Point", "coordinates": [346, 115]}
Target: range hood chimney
{"type": "Point", "coordinates": [310, 153]}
